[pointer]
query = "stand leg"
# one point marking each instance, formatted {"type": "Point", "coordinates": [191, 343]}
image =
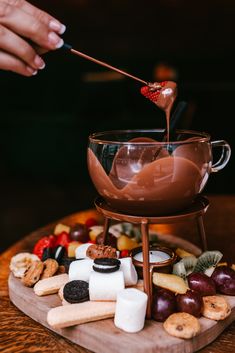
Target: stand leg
{"type": "Point", "coordinates": [146, 269]}
{"type": "Point", "coordinates": [106, 229]}
{"type": "Point", "coordinates": [202, 233]}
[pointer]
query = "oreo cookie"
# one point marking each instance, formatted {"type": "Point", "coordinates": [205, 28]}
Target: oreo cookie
{"type": "Point", "coordinates": [106, 265]}
{"type": "Point", "coordinates": [59, 253]}
{"type": "Point", "coordinates": [66, 261]}
{"type": "Point", "coordinates": [47, 254]}
{"type": "Point", "coordinates": [76, 291]}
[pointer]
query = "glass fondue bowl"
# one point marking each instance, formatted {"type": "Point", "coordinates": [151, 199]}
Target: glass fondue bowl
{"type": "Point", "coordinates": [138, 172]}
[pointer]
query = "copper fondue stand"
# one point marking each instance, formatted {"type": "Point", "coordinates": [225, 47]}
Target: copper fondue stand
{"type": "Point", "coordinates": [194, 212]}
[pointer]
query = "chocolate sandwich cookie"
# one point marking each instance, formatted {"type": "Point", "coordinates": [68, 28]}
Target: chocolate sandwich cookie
{"type": "Point", "coordinates": [76, 291]}
{"type": "Point", "coordinates": [106, 265]}
{"type": "Point", "coordinates": [66, 261]}
{"type": "Point", "coordinates": [59, 253]}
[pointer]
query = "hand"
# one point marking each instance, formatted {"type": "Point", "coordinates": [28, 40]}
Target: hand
{"type": "Point", "coordinates": [26, 31]}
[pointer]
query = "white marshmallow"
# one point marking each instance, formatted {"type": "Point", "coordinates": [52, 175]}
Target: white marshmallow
{"type": "Point", "coordinates": [129, 271]}
{"type": "Point", "coordinates": [80, 252]}
{"type": "Point", "coordinates": [130, 310]}
{"type": "Point", "coordinates": [80, 270]}
{"type": "Point", "coordinates": [105, 286]}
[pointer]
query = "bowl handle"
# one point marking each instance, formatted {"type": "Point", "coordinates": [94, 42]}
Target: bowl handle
{"type": "Point", "coordinates": [224, 157]}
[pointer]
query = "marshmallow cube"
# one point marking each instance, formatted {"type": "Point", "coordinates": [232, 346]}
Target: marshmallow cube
{"type": "Point", "coordinates": [80, 270]}
{"type": "Point", "coordinates": [80, 252]}
{"type": "Point", "coordinates": [105, 286]}
{"type": "Point", "coordinates": [129, 271]}
{"type": "Point", "coordinates": [130, 310]}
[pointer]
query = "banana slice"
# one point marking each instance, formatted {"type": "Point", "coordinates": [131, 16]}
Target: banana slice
{"type": "Point", "coordinates": [215, 307]}
{"type": "Point", "coordinates": [183, 253]}
{"type": "Point", "coordinates": [174, 283]}
{"type": "Point", "coordinates": [20, 262]}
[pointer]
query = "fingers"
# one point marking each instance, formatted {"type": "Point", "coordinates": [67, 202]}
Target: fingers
{"type": "Point", "coordinates": [28, 26]}
{"type": "Point", "coordinates": [42, 16]}
{"type": "Point", "coordinates": [18, 47]}
{"type": "Point", "coordinates": [11, 63]}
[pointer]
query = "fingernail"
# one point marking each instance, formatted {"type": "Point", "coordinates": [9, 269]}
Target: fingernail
{"type": "Point", "coordinates": [39, 62]}
{"type": "Point", "coordinates": [55, 40]}
{"type": "Point", "coordinates": [32, 71]}
{"type": "Point", "coordinates": [57, 26]}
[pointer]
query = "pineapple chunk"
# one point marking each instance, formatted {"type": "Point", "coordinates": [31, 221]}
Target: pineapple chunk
{"type": "Point", "coordinates": [182, 253]}
{"type": "Point", "coordinates": [222, 264]}
{"type": "Point", "coordinates": [59, 228]}
{"type": "Point", "coordinates": [126, 243]}
{"type": "Point", "coordinates": [172, 282]}
{"type": "Point", "coordinates": [73, 245]}
{"type": "Point", "coordinates": [94, 231]}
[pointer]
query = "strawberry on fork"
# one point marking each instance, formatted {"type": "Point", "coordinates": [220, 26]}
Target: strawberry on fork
{"type": "Point", "coordinates": [163, 94]}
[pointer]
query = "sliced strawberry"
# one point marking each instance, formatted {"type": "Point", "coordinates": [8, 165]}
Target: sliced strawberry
{"type": "Point", "coordinates": [124, 253]}
{"type": "Point", "coordinates": [153, 90]}
{"type": "Point", "coordinates": [90, 222]}
{"type": "Point", "coordinates": [91, 242]}
{"type": "Point", "coordinates": [63, 239]}
{"type": "Point", "coordinates": [44, 242]}
{"type": "Point", "coordinates": [151, 95]}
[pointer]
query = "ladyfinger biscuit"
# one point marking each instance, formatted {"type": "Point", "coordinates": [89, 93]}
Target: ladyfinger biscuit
{"type": "Point", "coordinates": [50, 285]}
{"type": "Point", "coordinates": [75, 314]}
{"type": "Point", "coordinates": [61, 292]}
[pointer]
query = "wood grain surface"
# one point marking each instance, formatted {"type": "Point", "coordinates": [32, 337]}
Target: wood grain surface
{"type": "Point", "coordinates": [19, 333]}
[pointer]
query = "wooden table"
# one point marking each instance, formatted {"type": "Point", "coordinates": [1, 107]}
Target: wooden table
{"type": "Point", "coordinates": [19, 333]}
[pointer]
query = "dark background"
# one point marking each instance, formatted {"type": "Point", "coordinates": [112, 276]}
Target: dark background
{"type": "Point", "coordinates": [45, 120]}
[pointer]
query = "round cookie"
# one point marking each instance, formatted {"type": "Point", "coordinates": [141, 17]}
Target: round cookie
{"type": "Point", "coordinates": [215, 307]}
{"type": "Point", "coordinates": [106, 265]}
{"type": "Point", "coordinates": [50, 268]}
{"type": "Point", "coordinates": [182, 325]}
{"type": "Point", "coordinates": [76, 291]}
{"type": "Point", "coordinates": [20, 262]}
{"type": "Point", "coordinates": [59, 253]}
{"type": "Point", "coordinates": [33, 273]}
{"type": "Point", "coordinates": [96, 251]}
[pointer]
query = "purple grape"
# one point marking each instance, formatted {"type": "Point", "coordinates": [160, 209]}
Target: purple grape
{"type": "Point", "coordinates": [191, 302]}
{"type": "Point", "coordinates": [224, 279]}
{"type": "Point", "coordinates": [201, 283]}
{"type": "Point", "coordinates": [79, 232]}
{"type": "Point", "coordinates": [110, 240]}
{"type": "Point", "coordinates": [163, 305]}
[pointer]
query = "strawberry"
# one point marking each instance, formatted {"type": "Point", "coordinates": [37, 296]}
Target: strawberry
{"type": "Point", "coordinates": [90, 222]}
{"type": "Point", "coordinates": [124, 253]}
{"type": "Point", "coordinates": [152, 93]}
{"type": "Point", "coordinates": [91, 242]}
{"type": "Point", "coordinates": [43, 243]}
{"type": "Point", "coordinates": [63, 239]}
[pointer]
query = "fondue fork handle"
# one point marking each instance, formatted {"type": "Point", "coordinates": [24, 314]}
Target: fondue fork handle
{"type": "Point", "coordinates": [102, 63]}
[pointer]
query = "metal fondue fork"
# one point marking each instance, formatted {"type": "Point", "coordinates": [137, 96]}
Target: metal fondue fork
{"type": "Point", "coordinates": [102, 63]}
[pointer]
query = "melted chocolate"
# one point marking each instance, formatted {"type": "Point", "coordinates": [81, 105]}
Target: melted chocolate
{"type": "Point", "coordinates": [145, 179]}
{"type": "Point", "coordinates": [163, 97]}
{"type": "Point", "coordinates": [164, 186]}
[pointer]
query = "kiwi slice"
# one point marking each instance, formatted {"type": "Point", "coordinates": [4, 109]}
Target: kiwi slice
{"type": "Point", "coordinates": [179, 270]}
{"type": "Point", "coordinates": [185, 266]}
{"type": "Point", "coordinates": [207, 262]}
